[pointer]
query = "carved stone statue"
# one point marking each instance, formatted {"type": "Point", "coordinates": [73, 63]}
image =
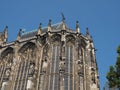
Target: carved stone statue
{"type": "Point", "coordinates": [45, 64]}
{"type": "Point", "coordinates": [93, 77]}
{"type": "Point", "coordinates": [63, 37]}
{"type": "Point", "coordinates": [31, 69]}
{"type": "Point", "coordinates": [45, 51]}
{"type": "Point", "coordinates": [79, 53]}
{"type": "Point", "coordinates": [80, 67]}
{"type": "Point", "coordinates": [63, 51]}
{"type": "Point", "coordinates": [62, 66]}
{"type": "Point", "coordinates": [7, 73]}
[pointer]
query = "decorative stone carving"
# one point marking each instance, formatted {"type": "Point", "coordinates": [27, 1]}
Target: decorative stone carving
{"type": "Point", "coordinates": [87, 33]}
{"type": "Point", "coordinates": [62, 66]}
{"type": "Point", "coordinates": [56, 38]}
{"type": "Point", "coordinates": [79, 53]}
{"type": "Point", "coordinates": [40, 29]}
{"type": "Point", "coordinates": [7, 74]}
{"type": "Point", "coordinates": [45, 64]}
{"type": "Point", "coordinates": [41, 40]}
{"type": "Point", "coordinates": [31, 69]}
{"type": "Point", "coordinates": [4, 36]}
{"type": "Point", "coordinates": [45, 50]}
{"type": "Point", "coordinates": [70, 38]}
{"type": "Point", "coordinates": [19, 34]}
{"type": "Point", "coordinates": [80, 67]}
{"type": "Point", "coordinates": [63, 44]}
{"type": "Point", "coordinates": [63, 37]}
{"type": "Point", "coordinates": [30, 85]}
{"type": "Point", "coordinates": [9, 58]}
{"type": "Point", "coordinates": [49, 26]}
{"type": "Point", "coordinates": [77, 27]}
{"type": "Point", "coordinates": [62, 56]}
{"type": "Point", "coordinates": [93, 77]}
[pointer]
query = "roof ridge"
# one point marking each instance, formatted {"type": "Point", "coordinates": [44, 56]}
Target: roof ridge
{"type": "Point", "coordinates": [59, 23]}
{"type": "Point", "coordinates": [29, 32]}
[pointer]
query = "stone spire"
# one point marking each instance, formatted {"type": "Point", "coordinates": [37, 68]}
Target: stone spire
{"type": "Point", "coordinates": [40, 29]}
{"type": "Point", "coordinates": [6, 33]}
{"type": "Point", "coordinates": [87, 33]}
{"type": "Point", "coordinates": [19, 34]}
{"type": "Point", "coordinates": [4, 36]}
{"type": "Point", "coordinates": [49, 25]}
{"type": "Point", "coordinates": [77, 27]}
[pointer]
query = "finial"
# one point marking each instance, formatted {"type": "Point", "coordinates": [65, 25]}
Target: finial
{"type": "Point", "coordinates": [40, 26]}
{"type": "Point", "coordinates": [40, 29]}
{"type": "Point", "coordinates": [19, 34]}
{"type": "Point", "coordinates": [6, 33]}
{"type": "Point", "coordinates": [87, 33]}
{"type": "Point", "coordinates": [49, 25]}
{"type": "Point", "coordinates": [63, 18]}
{"type": "Point", "coordinates": [77, 27]}
{"type": "Point", "coordinates": [6, 29]}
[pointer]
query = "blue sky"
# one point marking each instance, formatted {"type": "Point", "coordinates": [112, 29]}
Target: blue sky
{"type": "Point", "coordinates": [101, 16]}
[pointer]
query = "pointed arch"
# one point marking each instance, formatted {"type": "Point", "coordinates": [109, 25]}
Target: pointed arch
{"type": "Point", "coordinates": [70, 39]}
{"type": "Point", "coordinates": [26, 69]}
{"type": "Point", "coordinates": [56, 38]}
{"type": "Point", "coordinates": [26, 46]}
{"type": "Point", "coordinates": [7, 55]}
{"type": "Point", "coordinates": [28, 51]}
{"type": "Point", "coordinates": [5, 67]}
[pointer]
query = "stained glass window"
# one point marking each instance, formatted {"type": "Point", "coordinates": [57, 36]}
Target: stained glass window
{"type": "Point", "coordinates": [21, 79]}
{"type": "Point", "coordinates": [54, 70]}
{"type": "Point", "coordinates": [69, 68]}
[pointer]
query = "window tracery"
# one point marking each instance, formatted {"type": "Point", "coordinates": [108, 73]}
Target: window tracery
{"type": "Point", "coordinates": [7, 60]}
{"type": "Point", "coordinates": [26, 70]}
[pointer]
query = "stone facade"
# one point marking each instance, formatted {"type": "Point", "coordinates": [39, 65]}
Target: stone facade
{"type": "Point", "coordinates": [51, 58]}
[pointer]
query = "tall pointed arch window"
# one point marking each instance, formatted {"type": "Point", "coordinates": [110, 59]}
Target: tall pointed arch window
{"type": "Point", "coordinates": [69, 51]}
{"type": "Point", "coordinates": [54, 66]}
{"type": "Point", "coordinates": [26, 67]}
{"type": "Point", "coordinates": [69, 68]}
{"type": "Point", "coordinates": [5, 68]}
{"type": "Point", "coordinates": [43, 78]}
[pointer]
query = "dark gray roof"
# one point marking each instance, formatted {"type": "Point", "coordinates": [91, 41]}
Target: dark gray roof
{"type": "Point", "coordinates": [29, 34]}
{"type": "Point", "coordinates": [57, 26]}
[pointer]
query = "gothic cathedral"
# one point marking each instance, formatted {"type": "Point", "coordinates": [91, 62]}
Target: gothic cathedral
{"type": "Point", "coordinates": [50, 58]}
